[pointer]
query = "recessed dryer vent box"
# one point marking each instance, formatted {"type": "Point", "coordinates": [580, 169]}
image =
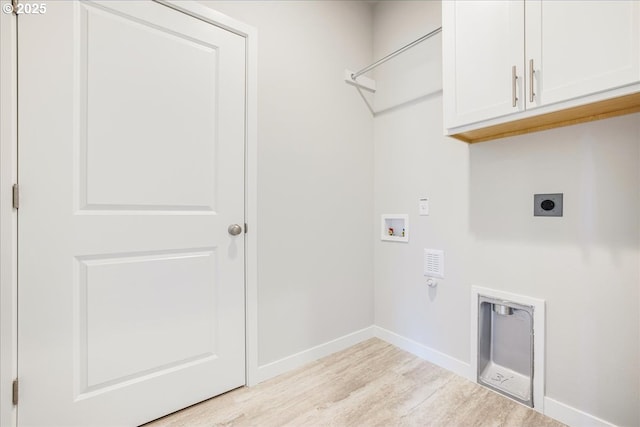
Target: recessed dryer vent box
{"type": "Point", "coordinates": [505, 348]}
{"type": "Point", "coordinates": [395, 227]}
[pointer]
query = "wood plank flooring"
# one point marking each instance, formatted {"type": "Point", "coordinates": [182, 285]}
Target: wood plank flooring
{"type": "Point", "coordinates": [370, 384]}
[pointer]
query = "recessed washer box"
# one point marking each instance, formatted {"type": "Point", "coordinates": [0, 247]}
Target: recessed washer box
{"type": "Point", "coordinates": [394, 227]}
{"type": "Point", "coordinates": [547, 204]}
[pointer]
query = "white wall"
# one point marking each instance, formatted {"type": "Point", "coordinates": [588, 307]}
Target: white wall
{"type": "Point", "coordinates": [414, 159]}
{"type": "Point", "coordinates": [585, 265]}
{"type": "Point", "coordinates": [315, 172]}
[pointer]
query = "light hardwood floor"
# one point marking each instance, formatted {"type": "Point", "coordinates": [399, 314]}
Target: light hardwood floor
{"type": "Point", "coordinates": [370, 384]}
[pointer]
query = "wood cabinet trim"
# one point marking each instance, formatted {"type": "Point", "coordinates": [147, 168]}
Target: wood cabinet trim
{"type": "Point", "coordinates": [612, 107]}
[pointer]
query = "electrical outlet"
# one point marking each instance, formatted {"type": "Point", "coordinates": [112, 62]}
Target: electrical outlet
{"type": "Point", "coordinates": [547, 204]}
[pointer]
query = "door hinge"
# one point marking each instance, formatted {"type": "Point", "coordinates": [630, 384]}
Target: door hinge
{"type": "Point", "coordinates": [16, 196]}
{"type": "Point", "coordinates": [14, 393]}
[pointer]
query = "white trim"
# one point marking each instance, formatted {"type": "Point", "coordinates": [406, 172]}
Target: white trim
{"type": "Point", "coordinates": [251, 209]}
{"type": "Point", "coordinates": [538, 338]}
{"type": "Point", "coordinates": [212, 16]}
{"type": "Point", "coordinates": [221, 20]}
{"type": "Point", "coordinates": [422, 351]}
{"type": "Point", "coordinates": [571, 416]}
{"type": "Point", "coordinates": [297, 360]}
{"type": "Point", "coordinates": [8, 215]}
{"type": "Point", "coordinates": [552, 408]}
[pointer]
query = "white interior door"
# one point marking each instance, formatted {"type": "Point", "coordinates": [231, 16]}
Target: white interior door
{"type": "Point", "coordinates": [131, 154]}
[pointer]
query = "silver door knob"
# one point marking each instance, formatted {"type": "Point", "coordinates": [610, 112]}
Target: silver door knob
{"type": "Point", "coordinates": [234, 229]}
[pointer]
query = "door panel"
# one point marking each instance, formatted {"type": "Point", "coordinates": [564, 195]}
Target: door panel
{"type": "Point", "coordinates": [131, 154]}
{"type": "Point", "coordinates": [183, 86]}
{"type": "Point", "coordinates": [118, 291]}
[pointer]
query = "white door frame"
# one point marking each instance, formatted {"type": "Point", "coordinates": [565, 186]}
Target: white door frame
{"type": "Point", "coordinates": [9, 218]}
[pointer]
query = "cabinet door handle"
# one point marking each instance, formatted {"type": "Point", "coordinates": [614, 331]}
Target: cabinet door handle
{"type": "Point", "coordinates": [514, 96]}
{"type": "Point", "coordinates": [531, 72]}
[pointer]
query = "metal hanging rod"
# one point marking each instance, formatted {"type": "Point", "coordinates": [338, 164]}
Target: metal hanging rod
{"type": "Point", "coordinates": [396, 53]}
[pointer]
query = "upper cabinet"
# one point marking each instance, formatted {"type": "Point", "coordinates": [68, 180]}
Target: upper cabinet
{"type": "Point", "coordinates": [576, 48]}
{"type": "Point", "coordinates": [523, 65]}
{"type": "Point", "coordinates": [483, 60]}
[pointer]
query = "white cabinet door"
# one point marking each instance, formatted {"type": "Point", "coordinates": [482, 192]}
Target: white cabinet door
{"type": "Point", "coordinates": [483, 45]}
{"type": "Point", "coordinates": [581, 47]}
{"type": "Point", "coordinates": [131, 153]}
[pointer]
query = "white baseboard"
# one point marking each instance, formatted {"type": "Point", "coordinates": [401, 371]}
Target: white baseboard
{"type": "Point", "coordinates": [422, 351]}
{"type": "Point", "coordinates": [552, 408]}
{"type": "Point", "coordinates": [294, 361]}
{"type": "Point", "coordinates": [572, 416]}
